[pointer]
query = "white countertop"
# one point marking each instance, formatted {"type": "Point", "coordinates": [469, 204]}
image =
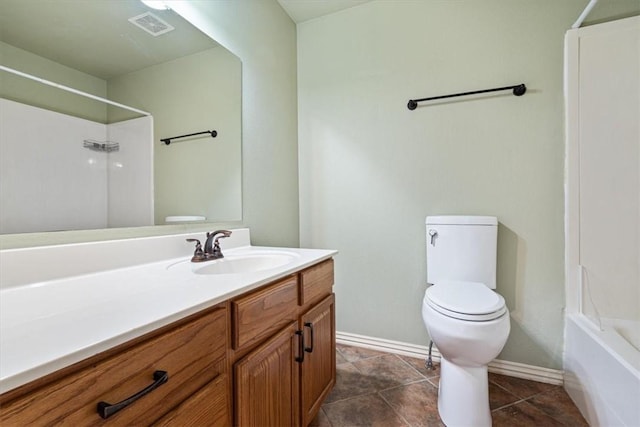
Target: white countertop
{"type": "Point", "coordinates": [49, 325]}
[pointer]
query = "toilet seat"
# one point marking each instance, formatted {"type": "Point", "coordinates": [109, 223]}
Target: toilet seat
{"type": "Point", "coordinates": [471, 301]}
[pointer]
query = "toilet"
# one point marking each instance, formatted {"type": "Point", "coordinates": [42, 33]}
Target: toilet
{"type": "Point", "coordinates": [467, 320]}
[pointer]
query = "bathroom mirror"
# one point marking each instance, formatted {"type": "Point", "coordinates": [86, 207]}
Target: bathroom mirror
{"type": "Point", "coordinates": [152, 60]}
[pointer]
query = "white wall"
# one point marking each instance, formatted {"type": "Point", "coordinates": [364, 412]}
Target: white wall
{"type": "Point", "coordinates": [130, 173]}
{"type": "Point", "coordinates": [66, 185]}
{"type": "Point", "coordinates": [60, 170]}
{"type": "Point", "coordinates": [371, 170]}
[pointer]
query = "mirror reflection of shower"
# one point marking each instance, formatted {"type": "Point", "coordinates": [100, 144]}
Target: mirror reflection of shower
{"type": "Point", "coordinates": [99, 50]}
{"type": "Point", "coordinates": [82, 174]}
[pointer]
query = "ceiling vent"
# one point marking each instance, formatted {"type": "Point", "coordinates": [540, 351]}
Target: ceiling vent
{"type": "Point", "coordinates": [151, 24]}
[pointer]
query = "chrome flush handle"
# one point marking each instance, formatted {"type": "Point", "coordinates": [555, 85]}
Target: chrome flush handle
{"type": "Point", "coordinates": [433, 233]}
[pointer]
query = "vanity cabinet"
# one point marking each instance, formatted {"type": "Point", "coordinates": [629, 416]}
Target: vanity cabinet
{"type": "Point", "coordinates": [283, 380]}
{"type": "Point", "coordinates": [190, 357]}
{"type": "Point", "coordinates": [263, 358]}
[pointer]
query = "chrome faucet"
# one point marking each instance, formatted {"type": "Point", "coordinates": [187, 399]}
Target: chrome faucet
{"type": "Point", "coordinates": [211, 246]}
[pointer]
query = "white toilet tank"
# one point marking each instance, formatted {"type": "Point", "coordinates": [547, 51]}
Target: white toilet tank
{"type": "Point", "coordinates": [462, 248]}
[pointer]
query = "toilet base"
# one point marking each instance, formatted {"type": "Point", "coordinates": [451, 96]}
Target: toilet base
{"type": "Point", "coordinates": [463, 395]}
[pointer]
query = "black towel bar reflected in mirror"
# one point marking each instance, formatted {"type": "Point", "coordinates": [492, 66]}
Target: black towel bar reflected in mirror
{"type": "Point", "coordinates": [213, 134]}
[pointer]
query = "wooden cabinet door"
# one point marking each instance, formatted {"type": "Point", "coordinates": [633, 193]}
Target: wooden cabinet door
{"type": "Point", "coordinates": [319, 366]}
{"type": "Point", "coordinates": [267, 382]}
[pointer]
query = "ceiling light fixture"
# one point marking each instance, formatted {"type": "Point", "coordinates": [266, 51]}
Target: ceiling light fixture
{"type": "Point", "coordinates": [155, 4]}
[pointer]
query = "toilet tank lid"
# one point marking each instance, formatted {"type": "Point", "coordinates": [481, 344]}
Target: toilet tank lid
{"type": "Point", "coordinates": [461, 220]}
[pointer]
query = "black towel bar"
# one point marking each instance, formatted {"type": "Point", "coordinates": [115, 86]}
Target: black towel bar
{"type": "Point", "coordinates": [518, 90]}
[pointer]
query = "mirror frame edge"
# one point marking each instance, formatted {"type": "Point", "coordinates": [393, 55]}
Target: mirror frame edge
{"type": "Point", "coordinates": [52, 238]}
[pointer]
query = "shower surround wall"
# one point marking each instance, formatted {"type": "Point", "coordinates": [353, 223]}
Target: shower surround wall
{"type": "Point", "coordinates": [95, 186]}
{"type": "Point", "coordinates": [603, 221]}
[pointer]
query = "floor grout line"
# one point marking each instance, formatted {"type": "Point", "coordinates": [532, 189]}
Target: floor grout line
{"type": "Point", "coordinates": [394, 370]}
{"type": "Point", "coordinates": [355, 396]}
{"type": "Point", "coordinates": [509, 404]}
{"type": "Point", "coordinates": [394, 410]}
{"type": "Point", "coordinates": [410, 365]}
{"type": "Point", "coordinates": [406, 384]}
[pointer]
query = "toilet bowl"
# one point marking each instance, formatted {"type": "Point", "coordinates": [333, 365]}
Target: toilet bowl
{"type": "Point", "coordinates": [466, 319]}
{"type": "Point", "coordinates": [466, 346]}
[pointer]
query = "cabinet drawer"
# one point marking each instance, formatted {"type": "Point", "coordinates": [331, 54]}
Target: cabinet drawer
{"type": "Point", "coordinates": [316, 282]}
{"type": "Point", "coordinates": [259, 315]}
{"type": "Point", "coordinates": [208, 407]}
{"type": "Point", "coordinates": [187, 353]}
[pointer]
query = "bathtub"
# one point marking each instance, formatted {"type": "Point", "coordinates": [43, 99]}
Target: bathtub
{"type": "Point", "coordinates": [602, 370]}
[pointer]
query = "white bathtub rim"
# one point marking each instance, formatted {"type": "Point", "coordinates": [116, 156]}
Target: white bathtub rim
{"type": "Point", "coordinates": [604, 389]}
{"type": "Point", "coordinates": [619, 348]}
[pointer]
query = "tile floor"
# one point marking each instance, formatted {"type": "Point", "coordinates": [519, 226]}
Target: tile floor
{"type": "Point", "coordinates": [382, 389]}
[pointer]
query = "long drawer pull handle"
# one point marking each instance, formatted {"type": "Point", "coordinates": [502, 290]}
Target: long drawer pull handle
{"type": "Point", "coordinates": [105, 410]}
{"type": "Point", "coordinates": [300, 358]}
{"type": "Point", "coordinates": [310, 326]}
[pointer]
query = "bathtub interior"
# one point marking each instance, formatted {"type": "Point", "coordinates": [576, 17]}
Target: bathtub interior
{"type": "Point", "coordinates": [619, 337]}
{"type": "Point", "coordinates": [629, 330]}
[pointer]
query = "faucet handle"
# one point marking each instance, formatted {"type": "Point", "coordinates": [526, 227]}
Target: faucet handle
{"type": "Point", "coordinates": [198, 244]}
{"type": "Point", "coordinates": [198, 254]}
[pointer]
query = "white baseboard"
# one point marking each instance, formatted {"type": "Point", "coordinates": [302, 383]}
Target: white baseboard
{"type": "Point", "coordinates": [504, 367]}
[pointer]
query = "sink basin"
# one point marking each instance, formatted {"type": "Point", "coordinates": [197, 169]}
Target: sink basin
{"type": "Point", "coordinates": [241, 263]}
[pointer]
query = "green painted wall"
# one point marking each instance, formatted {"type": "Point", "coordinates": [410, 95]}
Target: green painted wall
{"type": "Point", "coordinates": [610, 10]}
{"type": "Point", "coordinates": [36, 94]}
{"type": "Point", "coordinates": [371, 170]}
{"type": "Point", "coordinates": [263, 36]}
{"type": "Point", "coordinates": [199, 175]}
